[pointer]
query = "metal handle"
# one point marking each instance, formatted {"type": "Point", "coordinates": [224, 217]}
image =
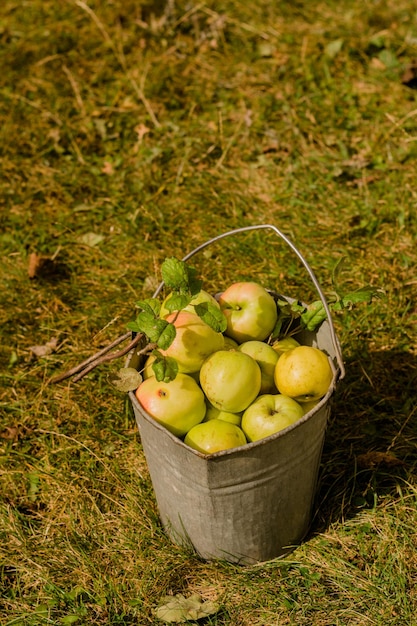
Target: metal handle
{"type": "Point", "coordinates": [319, 290]}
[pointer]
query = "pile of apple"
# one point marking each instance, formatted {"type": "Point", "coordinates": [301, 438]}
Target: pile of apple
{"type": "Point", "coordinates": [233, 387]}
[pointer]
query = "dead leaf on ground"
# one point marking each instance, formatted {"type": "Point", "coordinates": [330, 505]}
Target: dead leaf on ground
{"type": "Point", "coordinates": [14, 433]}
{"type": "Point", "coordinates": [370, 460]}
{"type": "Point", "coordinates": [48, 348]}
{"type": "Point", "coordinates": [179, 609]}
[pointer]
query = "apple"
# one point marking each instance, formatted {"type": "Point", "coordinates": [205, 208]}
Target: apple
{"type": "Point", "coordinates": [309, 406]}
{"type": "Point", "coordinates": [230, 344]}
{"type": "Point", "coordinates": [282, 345]}
{"type": "Point", "coordinates": [266, 358]}
{"type": "Point", "coordinates": [214, 436]}
{"type": "Point", "coordinates": [147, 371]}
{"type": "Point", "coordinates": [303, 373]}
{"type": "Point", "coordinates": [202, 296]}
{"type": "Point", "coordinates": [178, 405]}
{"type": "Point", "coordinates": [269, 414]}
{"type": "Point", "coordinates": [213, 413]}
{"type": "Point", "coordinates": [251, 311]}
{"type": "Point", "coordinates": [194, 342]}
{"type": "Point", "coordinates": [230, 379]}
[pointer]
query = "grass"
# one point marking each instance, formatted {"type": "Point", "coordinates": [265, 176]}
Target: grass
{"type": "Point", "coordinates": [132, 131]}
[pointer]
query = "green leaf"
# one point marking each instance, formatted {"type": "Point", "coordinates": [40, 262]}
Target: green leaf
{"type": "Point", "coordinates": [177, 302]}
{"type": "Point", "coordinates": [126, 379]}
{"type": "Point", "coordinates": [179, 609]}
{"type": "Point", "coordinates": [175, 274]}
{"type": "Point", "coordinates": [178, 276]}
{"type": "Point", "coordinates": [150, 305]}
{"type": "Point", "coordinates": [212, 316]}
{"type": "Point", "coordinates": [165, 367]}
{"type": "Point", "coordinates": [363, 294]}
{"type": "Point", "coordinates": [194, 283]}
{"type": "Point", "coordinates": [166, 336]}
{"type": "Point", "coordinates": [153, 327]}
{"type": "Point", "coordinates": [313, 315]}
{"type": "Point", "coordinates": [333, 48]}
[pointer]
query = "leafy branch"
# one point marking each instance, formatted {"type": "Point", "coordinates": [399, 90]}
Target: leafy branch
{"type": "Point", "coordinates": [184, 286]}
{"type": "Point", "coordinates": [297, 316]}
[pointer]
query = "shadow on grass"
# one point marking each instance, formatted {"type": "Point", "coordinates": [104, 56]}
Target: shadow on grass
{"type": "Point", "coordinates": [370, 449]}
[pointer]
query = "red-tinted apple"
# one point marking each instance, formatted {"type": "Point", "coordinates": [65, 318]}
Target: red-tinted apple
{"type": "Point", "coordinates": [194, 342]}
{"type": "Point", "coordinates": [251, 311]}
{"type": "Point", "coordinates": [178, 405]}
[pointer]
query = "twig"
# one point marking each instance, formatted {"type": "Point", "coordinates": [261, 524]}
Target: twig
{"type": "Point", "coordinates": [114, 355]}
{"type": "Point", "coordinates": [95, 357]}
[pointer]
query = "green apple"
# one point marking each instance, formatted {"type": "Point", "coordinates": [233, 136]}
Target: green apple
{"type": "Point", "coordinates": [230, 379]}
{"type": "Point", "coordinates": [230, 344]}
{"type": "Point", "coordinates": [285, 344]}
{"type": "Point", "coordinates": [213, 413]}
{"type": "Point", "coordinates": [202, 296]}
{"type": "Point", "coordinates": [309, 406]}
{"type": "Point", "coordinates": [147, 371]}
{"type": "Point", "coordinates": [269, 414]}
{"type": "Point", "coordinates": [214, 436]}
{"type": "Point", "coordinates": [178, 405]}
{"type": "Point", "coordinates": [251, 311]}
{"type": "Point", "coordinates": [194, 341]}
{"type": "Point", "coordinates": [266, 358]}
{"type": "Point", "coordinates": [303, 373]}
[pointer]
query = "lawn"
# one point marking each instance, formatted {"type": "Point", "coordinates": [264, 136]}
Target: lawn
{"type": "Point", "coordinates": [135, 130]}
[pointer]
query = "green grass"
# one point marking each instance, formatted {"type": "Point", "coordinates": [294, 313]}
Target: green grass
{"type": "Point", "coordinates": [145, 130]}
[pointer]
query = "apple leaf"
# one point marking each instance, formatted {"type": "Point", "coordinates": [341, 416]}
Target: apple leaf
{"type": "Point", "coordinates": [363, 294]}
{"type": "Point", "coordinates": [126, 379]}
{"type": "Point", "coordinates": [178, 609]}
{"type": "Point", "coordinates": [154, 328]}
{"type": "Point", "coordinates": [211, 315]}
{"type": "Point", "coordinates": [313, 315]}
{"type": "Point", "coordinates": [166, 335]}
{"type": "Point", "coordinates": [165, 368]}
{"type": "Point", "coordinates": [178, 276]}
{"type": "Point", "coordinates": [177, 302]}
{"type": "Point", "coordinates": [150, 305]}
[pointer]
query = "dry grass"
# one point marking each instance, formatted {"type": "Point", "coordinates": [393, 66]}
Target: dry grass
{"type": "Point", "coordinates": [131, 131]}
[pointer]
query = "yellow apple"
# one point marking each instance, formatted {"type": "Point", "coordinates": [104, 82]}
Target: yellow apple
{"type": "Point", "coordinates": [285, 344]}
{"type": "Point", "coordinates": [303, 373]}
{"type": "Point", "coordinates": [213, 413]}
{"type": "Point", "coordinates": [266, 358]}
{"type": "Point", "coordinates": [214, 436]}
{"type": "Point", "coordinates": [230, 379]}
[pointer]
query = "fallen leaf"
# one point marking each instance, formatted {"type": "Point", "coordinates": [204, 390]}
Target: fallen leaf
{"type": "Point", "coordinates": [36, 262]}
{"type": "Point", "coordinates": [370, 460]}
{"type": "Point", "coordinates": [108, 168]}
{"type": "Point", "coordinates": [90, 239]}
{"type": "Point", "coordinates": [126, 379]}
{"type": "Point", "coordinates": [46, 349]}
{"type": "Point", "coordinates": [179, 609]}
{"type": "Point", "coordinates": [141, 131]}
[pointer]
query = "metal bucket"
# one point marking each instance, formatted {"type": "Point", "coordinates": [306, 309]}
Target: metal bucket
{"type": "Point", "coordinates": [248, 504]}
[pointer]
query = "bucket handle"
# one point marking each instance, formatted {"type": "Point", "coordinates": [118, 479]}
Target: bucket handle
{"type": "Point", "coordinates": [319, 290]}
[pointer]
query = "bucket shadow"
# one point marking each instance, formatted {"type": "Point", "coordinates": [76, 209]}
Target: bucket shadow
{"type": "Point", "coordinates": [370, 448]}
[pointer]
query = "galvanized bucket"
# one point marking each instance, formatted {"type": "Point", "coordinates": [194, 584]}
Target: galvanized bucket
{"type": "Point", "coordinates": [248, 504]}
